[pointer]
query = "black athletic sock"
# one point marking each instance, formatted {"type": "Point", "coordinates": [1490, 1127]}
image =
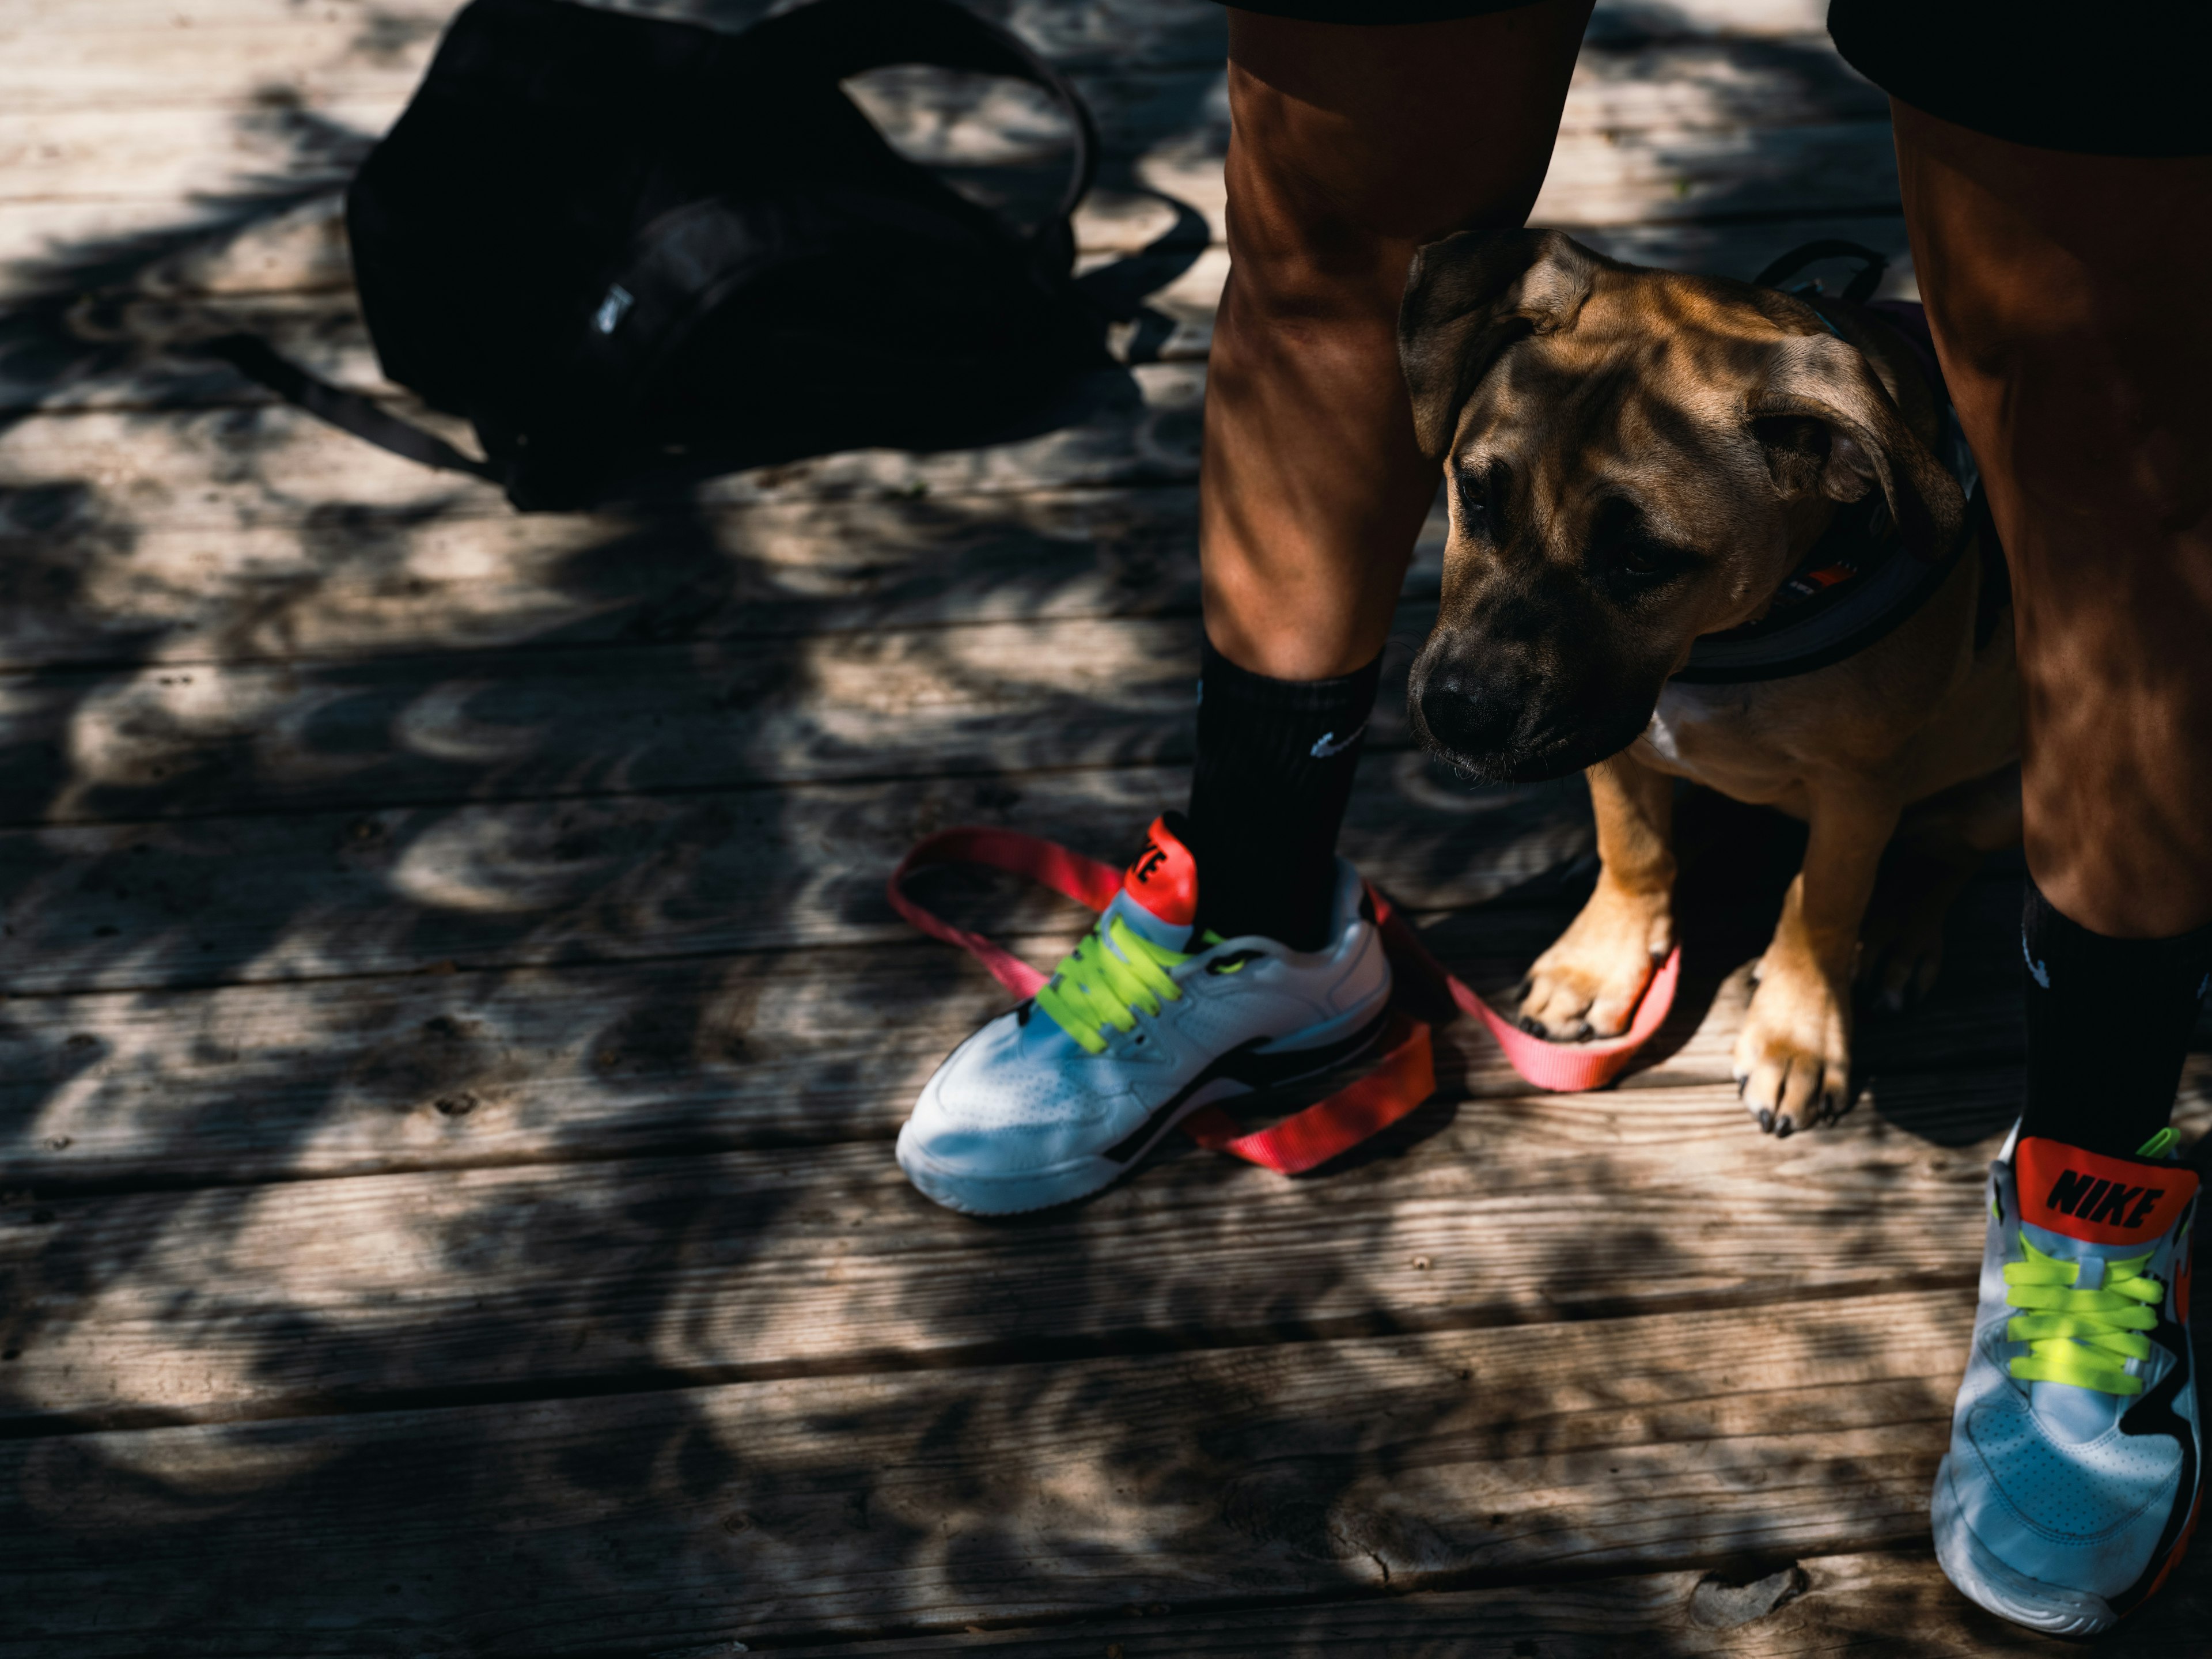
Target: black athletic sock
{"type": "Point", "coordinates": [1275, 760]}
{"type": "Point", "coordinates": [2108, 1025]}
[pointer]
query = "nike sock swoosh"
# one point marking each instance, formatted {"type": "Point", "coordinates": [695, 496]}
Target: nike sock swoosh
{"type": "Point", "coordinates": [1274, 771]}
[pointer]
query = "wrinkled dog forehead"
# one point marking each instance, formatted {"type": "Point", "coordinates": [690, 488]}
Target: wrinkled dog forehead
{"type": "Point", "coordinates": [1584, 363]}
{"type": "Point", "coordinates": [1660, 354]}
{"type": "Point", "coordinates": [1618, 409]}
{"type": "Point", "coordinates": [1490, 322]}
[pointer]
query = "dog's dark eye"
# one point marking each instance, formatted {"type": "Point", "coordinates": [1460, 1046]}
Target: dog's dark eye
{"type": "Point", "coordinates": [1474, 503]}
{"type": "Point", "coordinates": [1623, 550]}
{"type": "Point", "coordinates": [1480, 492]}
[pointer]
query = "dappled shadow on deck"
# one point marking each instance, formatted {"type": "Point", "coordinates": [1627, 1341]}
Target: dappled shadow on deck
{"type": "Point", "coordinates": [554, 911]}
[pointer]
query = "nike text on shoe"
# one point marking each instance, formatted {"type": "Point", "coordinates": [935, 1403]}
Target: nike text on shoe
{"type": "Point", "coordinates": [1146, 1020]}
{"type": "Point", "coordinates": [2077, 1461]}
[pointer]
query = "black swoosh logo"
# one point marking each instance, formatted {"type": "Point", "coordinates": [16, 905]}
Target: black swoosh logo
{"type": "Point", "coordinates": [1253, 1070]}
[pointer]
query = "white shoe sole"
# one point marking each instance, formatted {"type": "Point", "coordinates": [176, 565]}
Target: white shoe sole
{"type": "Point", "coordinates": [1079, 1177]}
{"type": "Point", "coordinates": [1988, 1583]}
{"type": "Point", "coordinates": [1042, 1189]}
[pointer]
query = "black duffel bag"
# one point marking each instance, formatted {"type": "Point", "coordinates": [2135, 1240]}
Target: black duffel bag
{"type": "Point", "coordinates": [623, 247]}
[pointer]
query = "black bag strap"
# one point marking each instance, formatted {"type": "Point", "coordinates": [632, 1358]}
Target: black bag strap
{"type": "Point", "coordinates": [348, 411]}
{"type": "Point", "coordinates": [842, 37]}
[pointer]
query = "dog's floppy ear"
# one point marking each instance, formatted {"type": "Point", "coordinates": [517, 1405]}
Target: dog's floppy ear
{"type": "Point", "coordinates": [1827, 423]}
{"type": "Point", "coordinates": [1467, 298]}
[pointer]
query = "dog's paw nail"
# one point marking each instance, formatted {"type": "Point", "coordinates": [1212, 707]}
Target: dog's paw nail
{"type": "Point", "coordinates": [1766, 1120]}
{"type": "Point", "coordinates": [1784, 1127]}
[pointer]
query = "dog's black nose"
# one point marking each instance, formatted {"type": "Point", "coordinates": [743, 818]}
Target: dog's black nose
{"type": "Point", "coordinates": [1468, 720]}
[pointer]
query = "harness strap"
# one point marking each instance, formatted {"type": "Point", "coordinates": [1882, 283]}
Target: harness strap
{"type": "Point", "coordinates": [1402, 1079]}
{"type": "Point", "coordinates": [1863, 281]}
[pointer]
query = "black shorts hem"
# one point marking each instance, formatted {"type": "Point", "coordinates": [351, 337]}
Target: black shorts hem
{"type": "Point", "coordinates": [2119, 81]}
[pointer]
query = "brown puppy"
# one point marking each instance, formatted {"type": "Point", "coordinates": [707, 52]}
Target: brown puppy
{"type": "Point", "coordinates": [1636, 459]}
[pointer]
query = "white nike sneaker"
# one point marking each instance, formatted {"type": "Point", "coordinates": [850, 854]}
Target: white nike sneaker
{"type": "Point", "coordinates": [2076, 1462]}
{"type": "Point", "coordinates": [1146, 1020]}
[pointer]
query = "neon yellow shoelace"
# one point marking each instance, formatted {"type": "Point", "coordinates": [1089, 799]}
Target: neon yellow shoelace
{"type": "Point", "coordinates": [1106, 981]}
{"type": "Point", "coordinates": [2082, 1337]}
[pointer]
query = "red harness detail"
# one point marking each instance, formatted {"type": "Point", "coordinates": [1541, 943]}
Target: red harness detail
{"type": "Point", "coordinates": [1402, 1079]}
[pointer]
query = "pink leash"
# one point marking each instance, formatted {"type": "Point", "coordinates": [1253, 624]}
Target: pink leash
{"type": "Point", "coordinates": [1402, 1079]}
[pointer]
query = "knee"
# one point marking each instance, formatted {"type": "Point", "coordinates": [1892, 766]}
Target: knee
{"type": "Point", "coordinates": [2089, 413]}
{"type": "Point", "coordinates": [1309, 237]}
{"type": "Point", "coordinates": [1324, 214]}
{"type": "Point", "coordinates": [1316, 267]}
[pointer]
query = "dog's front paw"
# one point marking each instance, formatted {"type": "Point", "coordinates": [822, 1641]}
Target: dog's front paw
{"type": "Point", "coordinates": [1793, 1059]}
{"type": "Point", "coordinates": [1588, 983]}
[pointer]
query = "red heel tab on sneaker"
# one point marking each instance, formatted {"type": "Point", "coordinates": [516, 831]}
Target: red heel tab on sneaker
{"type": "Point", "coordinates": [2096, 1199]}
{"type": "Point", "coordinates": [1165, 878]}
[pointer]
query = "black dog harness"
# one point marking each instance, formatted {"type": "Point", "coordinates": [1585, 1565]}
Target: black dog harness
{"type": "Point", "coordinates": [1857, 582]}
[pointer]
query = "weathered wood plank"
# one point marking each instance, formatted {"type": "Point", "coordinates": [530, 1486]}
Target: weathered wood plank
{"type": "Point", "coordinates": [185, 739]}
{"type": "Point", "coordinates": [928, 1502]}
{"type": "Point", "coordinates": [1050, 24]}
{"type": "Point", "coordinates": [141, 350]}
{"type": "Point", "coordinates": [234, 467]}
{"type": "Point", "coordinates": [259, 245]}
{"type": "Point", "coordinates": [1603, 179]}
{"type": "Point", "coordinates": [138, 54]}
{"type": "Point", "coordinates": [1898, 1604]}
{"type": "Point", "coordinates": [1648, 95]}
{"type": "Point", "coordinates": [345, 1293]}
{"type": "Point", "coordinates": [1664, 131]}
{"type": "Point", "coordinates": [134, 53]}
{"type": "Point", "coordinates": [358, 1077]}
{"type": "Point", "coordinates": [1600, 178]}
{"type": "Point", "coordinates": [150, 153]}
{"type": "Point", "coordinates": [60, 57]}
{"type": "Point", "coordinates": [206, 901]}
{"type": "Point", "coordinates": [246, 1083]}
{"type": "Point", "coordinates": [80, 582]}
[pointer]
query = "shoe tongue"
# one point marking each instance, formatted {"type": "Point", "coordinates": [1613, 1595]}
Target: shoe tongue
{"type": "Point", "coordinates": [2095, 1199]}
{"type": "Point", "coordinates": [2092, 1209]}
{"type": "Point", "coordinates": [1159, 890]}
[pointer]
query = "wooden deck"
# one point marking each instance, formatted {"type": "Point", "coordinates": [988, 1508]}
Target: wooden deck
{"type": "Point", "coordinates": [453, 1033]}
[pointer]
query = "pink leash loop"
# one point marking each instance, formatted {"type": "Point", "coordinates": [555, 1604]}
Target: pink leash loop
{"type": "Point", "coordinates": [1559, 1068]}
{"type": "Point", "coordinates": [1070, 874]}
{"type": "Point", "coordinates": [1404, 1077]}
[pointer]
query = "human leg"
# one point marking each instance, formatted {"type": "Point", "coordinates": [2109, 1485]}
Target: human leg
{"type": "Point", "coordinates": [1350, 146]}
{"type": "Point", "coordinates": [2078, 372]}
{"type": "Point", "coordinates": [1239, 951]}
{"type": "Point", "coordinates": [2049, 276]}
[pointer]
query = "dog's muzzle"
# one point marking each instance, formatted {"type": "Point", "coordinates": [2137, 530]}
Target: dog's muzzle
{"type": "Point", "coordinates": [1488, 726]}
